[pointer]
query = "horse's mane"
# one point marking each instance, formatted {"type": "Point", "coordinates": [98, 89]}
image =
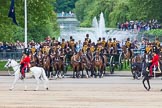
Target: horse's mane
{"type": "Point", "coordinates": [14, 61]}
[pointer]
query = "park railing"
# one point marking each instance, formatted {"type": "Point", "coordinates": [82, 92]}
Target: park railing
{"type": "Point", "coordinates": [10, 55]}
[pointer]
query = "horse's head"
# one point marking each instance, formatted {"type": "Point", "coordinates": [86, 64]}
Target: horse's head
{"type": "Point", "coordinates": [10, 63]}
{"type": "Point", "coordinates": [80, 53]}
{"type": "Point", "coordinates": [124, 49]}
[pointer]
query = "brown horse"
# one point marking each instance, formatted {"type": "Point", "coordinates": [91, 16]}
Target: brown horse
{"type": "Point", "coordinates": [98, 65]}
{"type": "Point", "coordinates": [128, 54]}
{"type": "Point", "coordinates": [75, 62]}
{"type": "Point", "coordinates": [33, 60]}
{"type": "Point", "coordinates": [46, 64]}
{"type": "Point", "coordinates": [58, 64]}
{"type": "Point", "coordinates": [85, 65]}
{"type": "Point", "coordinates": [39, 57]}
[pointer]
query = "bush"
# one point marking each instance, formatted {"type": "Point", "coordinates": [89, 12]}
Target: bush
{"type": "Point", "coordinates": [155, 32]}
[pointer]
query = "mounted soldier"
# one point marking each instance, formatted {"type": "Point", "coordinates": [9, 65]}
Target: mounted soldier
{"type": "Point", "coordinates": [103, 42]}
{"type": "Point", "coordinates": [25, 63]}
{"type": "Point", "coordinates": [72, 44]}
{"type": "Point", "coordinates": [110, 45]}
{"type": "Point", "coordinates": [92, 48]}
{"type": "Point", "coordinates": [114, 43]}
{"type": "Point", "coordinates": [148, 48]}
{"type": "Point", "coordinates": [157, 43]}
{"type": "Point", "coordinates": [99, 45]}
{"type": "Point", "coordinates": [85, 46]}
{"type": "Point", "coordinates": [155, 59]}
{"type": "Point", "coordinates": [128, 46]}
{"type": "Point", "coordinates": [63, 44]}
{"type": "Point", "coordinates": [87, 37]}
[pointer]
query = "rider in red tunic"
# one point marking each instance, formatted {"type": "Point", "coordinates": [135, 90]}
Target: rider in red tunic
{"type": "Point", "coordinates": [25, 62]}
{"type": "Point", "coordinates": [155, 60]}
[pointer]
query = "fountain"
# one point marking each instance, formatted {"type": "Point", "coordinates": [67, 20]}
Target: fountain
{"type": "Point", "coordinates": [99, 26]}
{"type": "Point", "coordinates": [71, 29]}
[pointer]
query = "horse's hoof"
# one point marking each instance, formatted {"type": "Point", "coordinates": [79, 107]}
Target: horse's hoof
{"type": "Point", "coordinates": [47, 88]}
{"type": "Point", "coordinates": [87, 76]}
{"type": "Point", "coordinates": [35, 90]}
{"type": "Point", "coordinates": [148, 89]}
{"type": "Point", "coordinates": [161, 90]}
{"type": "Point", "coordinates": [25, 90]}
{"type": "Point", "coordinates": [10, 89]}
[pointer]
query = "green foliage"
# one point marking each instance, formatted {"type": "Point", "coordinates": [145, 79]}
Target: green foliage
{"type": "Point", "coordinates": [117, 10]}
{"type": "Point", "coordinates": [41, 20]}
{"type": "Point", "coordinates": [64, 5]}
{"type": "Point", "coordinates": [2, 64]}
{"type": "Point", "coordinates": [155, 32]}
{"type": "Point", "coordinates": [119, 13]}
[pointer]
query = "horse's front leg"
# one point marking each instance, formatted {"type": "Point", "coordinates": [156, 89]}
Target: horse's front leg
{"type": "Point", "coordinates": [92, 71]}
{"type": "Point", "coordinates": [95, 72]}
{"type": "Point", "coordinates": [56, 74]}
{"type": "Point", "coordinates": [78, 72]}
{"type": "Point", "coordinates": [17, 76]}
{"type": "Point", "coordinates": [60, 74]}
{"type": "Point", "coordinates": [87, 73]}
{"type": "Point", "coordinates": [74, 72]}
{"type": "Point", "coordinates": [101, 71]}
{"type": "Point", "coordinates": [48, 71]}
{"type": "Point", "coordinates": [25, 86]}
{"type": "Point", "coordinates": [82, 69]}
{"type": "Point", "coordinates": [38, 81]}
{"type": "Point", "coordinates": [146, 78]}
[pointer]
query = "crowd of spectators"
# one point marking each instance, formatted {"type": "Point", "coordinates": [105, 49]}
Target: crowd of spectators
{"type": "Point", "coordinates": [19, 46]}
{"type": "Point", "coordinates": [11, 47]}
{"type": "Point", "coordinates": [137, 26]}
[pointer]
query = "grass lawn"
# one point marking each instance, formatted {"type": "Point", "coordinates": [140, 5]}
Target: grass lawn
{"type": "Point", "coordinates": [2, 63]}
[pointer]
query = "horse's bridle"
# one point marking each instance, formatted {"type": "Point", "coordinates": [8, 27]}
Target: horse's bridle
{"type": "Point", "coordinates": [12, 66]}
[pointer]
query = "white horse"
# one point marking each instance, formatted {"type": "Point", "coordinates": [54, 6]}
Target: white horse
{"type": "Point", "coordinates": [37, 72]}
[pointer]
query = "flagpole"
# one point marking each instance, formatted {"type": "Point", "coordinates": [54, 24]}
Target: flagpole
{"type": "Point", "coordinates": [26, 24]}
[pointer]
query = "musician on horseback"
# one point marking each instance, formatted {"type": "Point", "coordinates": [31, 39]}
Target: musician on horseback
{"type": "Point", "coordinates": [92, 48]}
{"type": "Point", "coordinates": [148, 48]}
{"type": "Point", "coordinates": [114, 43]}
{"type": "Point", "coordinates": [128, 45]}
{"type": "Point", "coordinates": [63, 44]}
{"type": "Point", "coordinates": [110, 45]}
{"type": "Point", "coordinates": [87, 37]}
{"type": "Point", "coordinates": [103, 42]}
{"type": "Point", "coordinates": [85, 46]}
{"type": "Point", "coordinates": [155, 60]}
{"type": "Point", "coordinates": [25, 63]}
{"type": "Point", "coordinates": [157, 43]}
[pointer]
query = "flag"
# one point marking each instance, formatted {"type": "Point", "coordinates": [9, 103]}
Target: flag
{"type": "Point", "coordinates": [12, 12]}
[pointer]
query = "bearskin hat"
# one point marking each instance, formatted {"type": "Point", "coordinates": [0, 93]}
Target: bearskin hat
{"type": "Point", "coordinates": [26, 51]}
{"type": "Point", "coordinates": [154, 49]}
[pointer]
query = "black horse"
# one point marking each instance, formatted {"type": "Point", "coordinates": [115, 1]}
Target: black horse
{"type": "Point", "coordinates": [146, 74]}
{"type": "Point", "coordinates": [137, 66]}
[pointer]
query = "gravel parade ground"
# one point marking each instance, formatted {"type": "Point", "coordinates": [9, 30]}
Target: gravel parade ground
{"type": "Point", "coordinates": [107, 92]}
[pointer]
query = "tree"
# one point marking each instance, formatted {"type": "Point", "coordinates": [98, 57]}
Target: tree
{"type": "Point", "coordinates": [118, 10]}
{"type": "Point", "coordinates": [41, 19]}
{"type": "Point", "coordinates": [64, 5]}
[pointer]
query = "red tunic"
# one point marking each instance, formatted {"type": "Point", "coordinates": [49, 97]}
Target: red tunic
{"type": "Point", "coordinates": [155, 61]}
{"type": "Point", "coordinates": [26, 61]}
